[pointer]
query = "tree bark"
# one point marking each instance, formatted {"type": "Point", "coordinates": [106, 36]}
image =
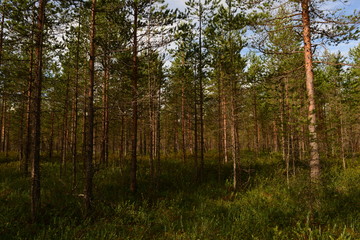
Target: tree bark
{"type": "Point", "coordinates": [256, 126]}
{"type": "Point", "coordinates": [36, 114]}
{"type": "Point", "coordinates": [196, 131]}
{"type": "Point", "coordinates": [105, 121]}
{"type": "Point", "coordinates": [183, 144]}
{"type": "Point", "coordinates": [225, 128]}
{"type": "Point", "coordinates": [220, 135]}
{"type": "Point", "coordinates": [158, 133]}
{"type": "Point", "coordinates": [133, 170]}
{"type": "Point", "coordinates": [51, 140]}
{"type": "Point", "coordinates": [122, 139]}
{"type": "Point", "coordinates": [2, 31]}
{"type": "Point", "coordinates": [3, 106]}
{"type": "Point", "coordinates": [234, 142]}
{"type": "Point", "coordinates": [3, 122]}
{"type": "Point", "coordinates": [314, 152]}
{"type": "Point", "coordinates": [89, 137]}
{"type": "Point", "coordinates": [201, 89]}
{"type": "Point", "coordinates": [64, 133]}
{"type": "Point", "coordinates": [75, 107]}
{"type": "Point", "coordinates": [21, 136]}
{"type": "Point", "coordinates": [7, 136]}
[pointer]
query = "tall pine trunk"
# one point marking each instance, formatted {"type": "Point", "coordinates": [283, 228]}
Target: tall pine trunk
{"type": "Point", "coordinates": [64, 133]}
{"type": "Point", "coordinates": [105, 120]}
{"type": "Point", "coordinates": [75, 108]}
{"type": "Point", "coordinates": [3, 106]}
{"type": "Point", "coordinates": [133, 180]}
{"type": "Point", "coordinates": [2, 31]}
{"type": "Point", "coordinates": [201, 89]}
{"type": "Point", "coordinates": [314, 150]}
{"type": "Point", "coordinates": [29, 94]}
{"type": "Point", "coordinates": [89, 135]}
{"type": "Point", "coordinates": [35, 114]}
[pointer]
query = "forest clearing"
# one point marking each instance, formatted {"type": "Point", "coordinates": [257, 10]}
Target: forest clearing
{"type": "Point", "coordinates": [163, 119]}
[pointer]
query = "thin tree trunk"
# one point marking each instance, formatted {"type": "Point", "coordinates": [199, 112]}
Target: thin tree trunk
{"type": "Point", "coordinates": [224, 118]}
{"type": "Point", "coordinates": [183, 123]}
{"type": "Point", "coordinates": [342, 138]}
{"type": "Point", "coordinates": [3, 107]}
{"type": "Point", "coordinates": [64, 133]}
{"type": "Point", "coordinates": [105, 121]}
{"type": "Point", "coordinates": [21, 136]}
{"type": "Point", "coordinates": [196, 132]}
{"type": "Point", "coordinates": [7, 136]}
{"type": "Point", "coordinates": [84, 125]}
{"type": "Point", "coordinates": [256, 126]}
{"type": "Point", "coordinates": [151, 100]}
{"type": "Point", "coordinates": [28, 119]}
{"type": "Point", "coordinates": [36, 113]}
{"type": "Point", "coordinates": [220, 135]}
{"type": "Point", "coordinates": [133, 180]}
{"type": "Point", "coordinates": [158, 133]}
{"type": "Point", "coordinates": [234, 143]}
{"type": "Point", "coordinates": [51, 140]}
{"type": "Point", "coordinates": [314, 150]}
{"type": "Point", "coordinates": [151, 123]}
{"type": "Point", "coordinates": [201, 89]}
{"type": "Point", "coordinates": [89, 147]}
{"type": "Point", "coordinates": [122, 139]}
{"type": "Point", "coordinates": [283, 135]}
{"type": "Point", "coordinates": [3, 123]}
{"type": "Point", "coordinates": [2, 32]}
{"type": "Point", "coordinates": [75, 108]}
{"type": "Point", "coordinates": [276, 145]}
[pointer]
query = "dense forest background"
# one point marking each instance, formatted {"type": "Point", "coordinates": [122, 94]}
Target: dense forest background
{"type": "Point", "coordinates": [127, 119]}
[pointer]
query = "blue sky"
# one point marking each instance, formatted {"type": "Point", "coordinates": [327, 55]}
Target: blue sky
{"type": "Point", "coordinates": [351, 5]}
{"type": "Point", "coordinates": [348, 7]}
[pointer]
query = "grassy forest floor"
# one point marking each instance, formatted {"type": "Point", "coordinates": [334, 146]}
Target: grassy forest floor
{"type": "Point", "coordinates": [178, 208]}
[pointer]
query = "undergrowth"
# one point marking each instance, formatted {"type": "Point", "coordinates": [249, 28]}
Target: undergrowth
{"type": "Point", "coordinates": [176, 206]}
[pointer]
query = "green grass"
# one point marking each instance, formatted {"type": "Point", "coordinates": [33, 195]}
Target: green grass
{"type": "Point", "coordinates": [176, 207]}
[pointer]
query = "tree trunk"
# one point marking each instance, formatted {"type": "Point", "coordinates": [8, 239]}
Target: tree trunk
{"type": "Point", "coordinates": [36, 113]}
{"type": "Point", "coordinates": [28, 118]}
{"type": "Point", "coordinates": [220, 135]}
{"type": "Point", "coordinates": [314, 152]}
{"type": "Point", "coordinates": [2, 31]}
{"type": "Point", "coordinates": [201, 89]}
{"type": "Point", "coordinates": [64, 133]}
{"type": "Point", "coordinates": [3, 123]}
{"type": "Point", "coordinates": [256, 126]}
{"type": "Point", "coordinates": [122, 139]}
{"type": "Point", "coordinates": [196, 131]}
{"type": "Point", "coordinates": [158, 132]}
{"type": "Point", "coordinates": [234, 145]}
{"type": "Point", "coordinates": [21, 135]}
{"type": "Point", "coordinates": [1, 50]}
{"type": "Point", "coordinates": [83, 150]}
{"type": "Point", "coordinates": [105, 121]}
{"type": "Point", "coordinates": [283, 133]}
{"type": "Point", "coordinates": [224, 119]}
{"type": "Point", "coordinates": [7, 136]}
{"type": "Point", "coordinates": [51, 140]}
{"type": "Point", "coordinates": [151, 123]}
{"type": "Point", "coordinates": [75, 108]}
{"type": "Point", "coordinates": [133, 180]}
{"type": "Point", "coordinates": [89, 137]}
{"type": "Point", "coordinates": [183, 123]}
{"type": "Point", "coordinates": [3, 106]}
